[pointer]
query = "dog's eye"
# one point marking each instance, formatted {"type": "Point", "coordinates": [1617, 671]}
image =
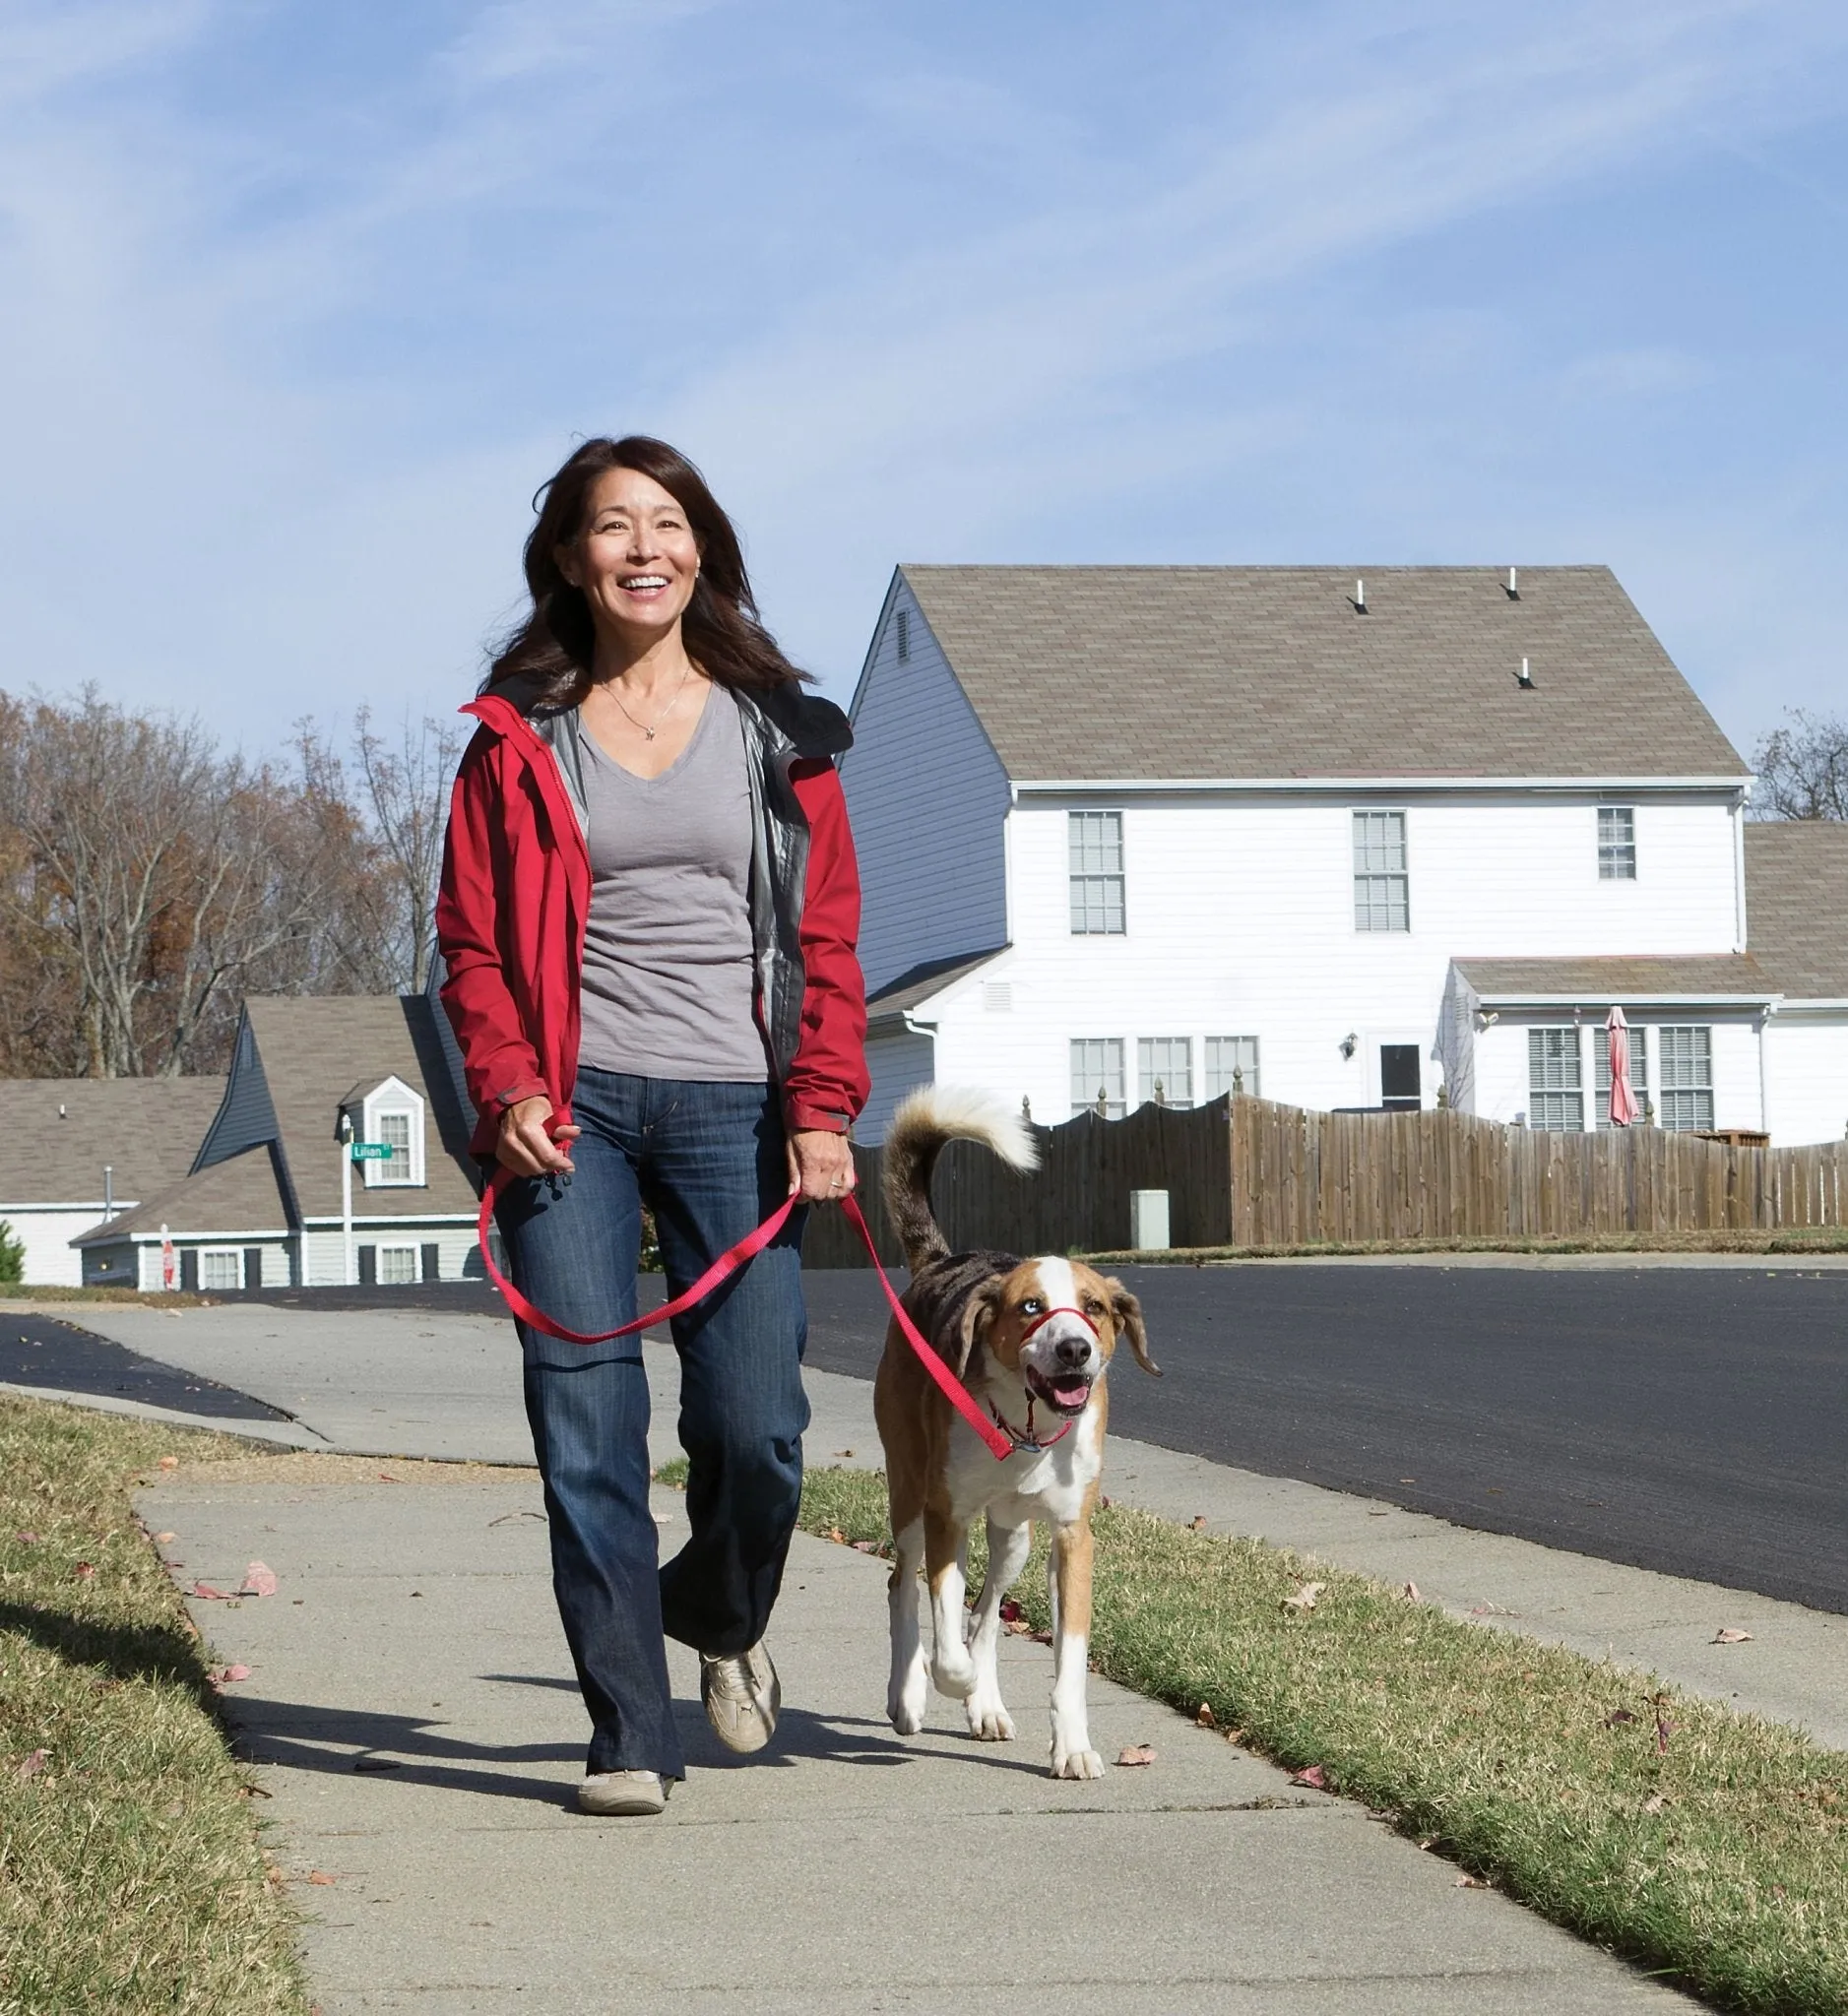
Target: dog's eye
{"type": "Point", "coordinates": [1094, 1309]}
{"type": "Point", "coordinates": [1032, 1306]}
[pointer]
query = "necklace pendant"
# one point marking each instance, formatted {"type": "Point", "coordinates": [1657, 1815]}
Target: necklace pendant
{"type": "Point", "coordinates": [648, 735]}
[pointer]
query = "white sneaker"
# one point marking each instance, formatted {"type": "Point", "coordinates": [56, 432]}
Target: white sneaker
{"type": "Point", "coordinates": [622, 1792]}
{"type": "Point", "coordinates": [742, 1695]}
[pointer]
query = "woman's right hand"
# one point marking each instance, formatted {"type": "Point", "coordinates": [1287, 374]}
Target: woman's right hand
{"type": "Point", "coordinates": [525, 1148]}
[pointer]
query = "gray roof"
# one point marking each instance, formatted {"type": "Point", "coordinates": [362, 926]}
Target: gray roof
{"type": "Point", "coordinates": [313, 1047]}
{"type": "Point", "coordinates": [1145, 673]}
{"type": "Point", "coordinates": [238, 1198]}
{"type": "Point", "coordinates": [1600, 982]}
{"type": "Point", "coordinates": [919, 982]}
{"type": "Point", "coordinates": [1797, 904]}
{"type": "Point", "coordinates": [145, 1128]}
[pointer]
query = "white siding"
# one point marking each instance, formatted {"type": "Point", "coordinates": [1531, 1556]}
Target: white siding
{"type": "Point", "coordinates": [1502, 1075]}
{"type": "Point", "coordinates": [1807, 1066]}
{"type": "Point", "coordinates": [47, 1230]}
{"type": "Point", "coordinates": [1241, 921]}
{"type": "Point", "coordinates": [927, 797]}
{"type": "Point", "coordinates": [326, 1252]}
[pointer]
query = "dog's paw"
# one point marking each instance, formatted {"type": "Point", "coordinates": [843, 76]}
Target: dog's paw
{"type": "Point", "coordinates": [904, 1705]}
{"type": "Point", "coordinates": [988, 1721]}
{"type": "Point", "coordinates": [1077, 1764]}
{"type": "Point", "coordinates": [953, 1677]}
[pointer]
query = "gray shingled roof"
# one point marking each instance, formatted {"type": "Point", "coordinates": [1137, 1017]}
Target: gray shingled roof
{"type": "Point", "coordinates": [145, 1128]}
{"type": "Point", "coordinates": [1603, 981]}
{"type": "Point", "coordinates": [238, 1198]}
{"type": "Point", "coordinates": [1796, 905]}
{"type": "Point", "coordinates": [313, 1049]}
{"type": "Point", "coordinates": [919, 982]}
{"type": "Point", "coordinates": [1196, 672]}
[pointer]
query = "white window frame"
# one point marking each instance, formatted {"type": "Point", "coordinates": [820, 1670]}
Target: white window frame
{"type": "Point", "coordinates": [396, 1099]}
{"type": "Point", "coordinates": [1617, 842]}
{"type": "Point", "coordinates": [397, 1248]}
{"type": "Point", "coordinates": [1097, 1063]}
{"type": "Point", "coordinates": [1381, 888]}
{"type": "Point", "coordinates": [1156, 1063]}
{"type": "Point", "coordinates": [1555, 1098]}
{"type": "Point", "coordinates": [235, 1255]}
{"type": "Point", "coordinates": [1226, 1054]}
{"type": "Point", "coordinates": [1684, 1099]}
{"type": "Point", "coordinates": [1099, 892]}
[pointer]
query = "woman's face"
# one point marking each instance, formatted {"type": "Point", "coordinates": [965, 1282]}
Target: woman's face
{"type": "Point", "coordinates": [636, 559]}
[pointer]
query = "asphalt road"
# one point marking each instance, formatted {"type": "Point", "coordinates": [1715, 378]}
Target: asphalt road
{"type": "Point", "coordinates": [39, 1350]}
{"type": "Point", "coordinates": [1689, 1421]}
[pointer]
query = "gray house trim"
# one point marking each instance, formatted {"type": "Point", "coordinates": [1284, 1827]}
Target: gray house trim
{"type": "Point", "coordinates": [246, 1115]}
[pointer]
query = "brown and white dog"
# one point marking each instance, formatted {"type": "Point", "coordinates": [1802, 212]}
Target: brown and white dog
{"type": "Point", "coordinates": [1031, 1340]}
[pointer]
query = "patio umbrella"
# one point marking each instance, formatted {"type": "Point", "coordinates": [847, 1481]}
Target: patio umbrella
{"type": "Point", "coordinates": [1623, 1107]}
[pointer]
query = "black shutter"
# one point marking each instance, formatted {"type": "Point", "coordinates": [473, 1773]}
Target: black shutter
{"type": "Point", "coordinates": [368, 1266]}
{"type": "Point", "coordinates": [253, 1265]}
{"type": "Point", "coordinates": [432, 1264]}
{"type": "Point", "coordinates": [189, 1269]}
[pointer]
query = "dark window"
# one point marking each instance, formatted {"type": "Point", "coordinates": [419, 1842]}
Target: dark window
{"type": "Point", "coordinates": [1399, 1089]}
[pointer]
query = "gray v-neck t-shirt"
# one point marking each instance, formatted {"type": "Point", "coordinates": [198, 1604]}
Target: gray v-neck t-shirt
{"type": "Point", "coordinates": [667, 987]}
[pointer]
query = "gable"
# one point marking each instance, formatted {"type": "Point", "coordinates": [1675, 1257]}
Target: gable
{"type": "Point", "coordinates": [1184, 673]}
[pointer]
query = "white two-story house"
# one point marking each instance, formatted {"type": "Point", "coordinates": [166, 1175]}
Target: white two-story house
{"type": "Point", "coordinates": [1340, 838]}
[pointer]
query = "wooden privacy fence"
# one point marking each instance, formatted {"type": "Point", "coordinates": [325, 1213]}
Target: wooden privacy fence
{"type": "Point", "coordinates": [1249, 1173]}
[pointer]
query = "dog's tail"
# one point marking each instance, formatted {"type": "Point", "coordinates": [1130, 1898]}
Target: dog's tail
{"type": "Point", "coordinates": [925, 1121]}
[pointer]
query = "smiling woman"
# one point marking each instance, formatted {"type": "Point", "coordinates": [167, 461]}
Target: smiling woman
{"type": "Point", "coordinates": [649, 911]}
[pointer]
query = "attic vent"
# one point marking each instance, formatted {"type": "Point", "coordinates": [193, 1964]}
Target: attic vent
{"type": "Point", "coordinates": [1524, 677]}
{"type": "Point", "coordinates": [997, 996]}
{"type": "Point", "coordinates": [1514, 586]}
{"type": "Point", "coordinates": [1360, 599]}
{"type": "Point", "coordinates": [904, 636]}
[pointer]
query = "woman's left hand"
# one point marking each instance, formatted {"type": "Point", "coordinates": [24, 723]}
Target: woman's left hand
{"type": "Point", "coordinates": [821, 1166]}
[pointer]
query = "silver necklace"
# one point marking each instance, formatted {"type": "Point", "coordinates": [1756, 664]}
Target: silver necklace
{"type": "Point", "coordinates": [648, 733]}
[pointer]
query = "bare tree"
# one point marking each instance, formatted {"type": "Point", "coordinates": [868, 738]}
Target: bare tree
{"type": "Point", "coordinates": [1803, 770]}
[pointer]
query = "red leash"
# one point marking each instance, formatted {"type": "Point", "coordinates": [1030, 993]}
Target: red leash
{"type": "Point", "coordinates": [958, 1395]}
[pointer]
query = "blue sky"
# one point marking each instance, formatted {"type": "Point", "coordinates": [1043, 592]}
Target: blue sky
{"type": "Point", "coordinates": [302, 301]}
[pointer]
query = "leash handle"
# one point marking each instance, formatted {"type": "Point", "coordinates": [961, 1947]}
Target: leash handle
{"type": "Point", "coordinates": [722, 1269]}
{"type": "Point", "coordinates": [1000, 1445]}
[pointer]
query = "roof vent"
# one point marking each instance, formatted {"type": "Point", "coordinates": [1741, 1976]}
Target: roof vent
{"type": "Point", "coordinates": [1515, 588]}
{"type": "Point", "coordinates": [1360, 599]}
{"type": "Point", "coordinates": [1524, 677]}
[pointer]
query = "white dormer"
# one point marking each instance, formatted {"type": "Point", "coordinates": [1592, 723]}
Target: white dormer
{"type": "Point", "coordinates": [389, 1112]}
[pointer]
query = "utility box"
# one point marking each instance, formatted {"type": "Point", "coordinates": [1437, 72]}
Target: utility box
{"type": "Point", "coordinates": [1148, 1220]}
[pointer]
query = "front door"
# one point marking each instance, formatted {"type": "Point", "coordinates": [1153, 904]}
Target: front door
{"type": "Point", "coordinates": [1399, 1090]}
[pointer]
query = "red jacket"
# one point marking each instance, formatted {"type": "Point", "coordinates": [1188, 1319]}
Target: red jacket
{"type": "Point", "coordinates": [516, 896]}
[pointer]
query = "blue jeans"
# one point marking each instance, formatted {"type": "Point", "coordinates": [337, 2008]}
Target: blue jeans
{"type": "Point", "coordinates": [709, 1160]}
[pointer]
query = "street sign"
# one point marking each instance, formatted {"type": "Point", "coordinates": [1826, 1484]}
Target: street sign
{"type": "Point", "coordinates": [371, 1151]}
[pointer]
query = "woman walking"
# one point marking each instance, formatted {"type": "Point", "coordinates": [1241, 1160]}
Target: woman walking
{"type": "Point", "coordinates": [647, 917]}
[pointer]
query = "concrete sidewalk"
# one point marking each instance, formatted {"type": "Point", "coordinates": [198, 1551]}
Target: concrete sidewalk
{"type": "Point", "coordinates": [412, 1710]}
{"type": "Point", "coordinates": [412, 1383]}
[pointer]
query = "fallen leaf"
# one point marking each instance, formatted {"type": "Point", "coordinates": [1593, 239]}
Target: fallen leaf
{"type": "Point", "coordinates": [385, 1478]}
{"type": "Point", "coordinates": [1198, 1523]}
{"type": "Point", "coordinates": [1010, 1611]}
{"type": "Point", "coordinates": [1206, 1719]}
{"type": "Point", "coordinates": [210, 1595]}
{"type": "Point", "coordinates": [865, 1547]}
{"type": "Point", "coordinates": [31, 1767]}
{"type": "Point", "coordinates": [1655, 1802]}
{"type": "Point", "coordinates": [1046, 1638]}
{"type": "Point", "coordinates": [165, 1540]}
{"type": "Point", "coordinates": [1136, 1753]}
{"type": "Point", "coordinates": [1617, 1714]}
{"type": "Point", "coordinates": [1305, 1598]}
{"type": "Point", "coordinates": [1104, 1504]}
{"type": "Point", "coordinates": [321, 1876]}
{"type": "Point", "coordinates": [1234, 1735]}
{"type": "Point", "coordinates": [170, 1463]}
{"type": "Point", "coordinates": [1469, 1882]}
{"type": "Point", "coordinates": [837, 1536]}
{"type": "Point", "coordinates": [1018, 1627]}
{"type": "Point", "coordinates": [258, 1580]}
{"type": "Point", "coordinates": [82, 1571]}
{"type": "Point", "coordinates": [1311, 1776]}
{"type": "Point", "coordinates": [30, 1539]}
{"type": "Point", "coordinates": [228, 1674]}
{"type": "Point", "coordinates": [843, 1452]}
{"type": "Point", "coordinates": [1726, 1635]}
{"type": "Point", "coordinates": [1411, 1593]}
{"type": "Point", "coordinates": [254, 1791]}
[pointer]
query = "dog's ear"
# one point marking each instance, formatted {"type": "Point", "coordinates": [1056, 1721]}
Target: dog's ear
{"type": "Point", "coordinates": [977, 1314]}
{"type": "Point", "coordinates": [1128, 1314]}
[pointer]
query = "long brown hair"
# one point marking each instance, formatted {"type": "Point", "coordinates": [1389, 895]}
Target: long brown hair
{"type": "Point", "coordinates": [554, 643]}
